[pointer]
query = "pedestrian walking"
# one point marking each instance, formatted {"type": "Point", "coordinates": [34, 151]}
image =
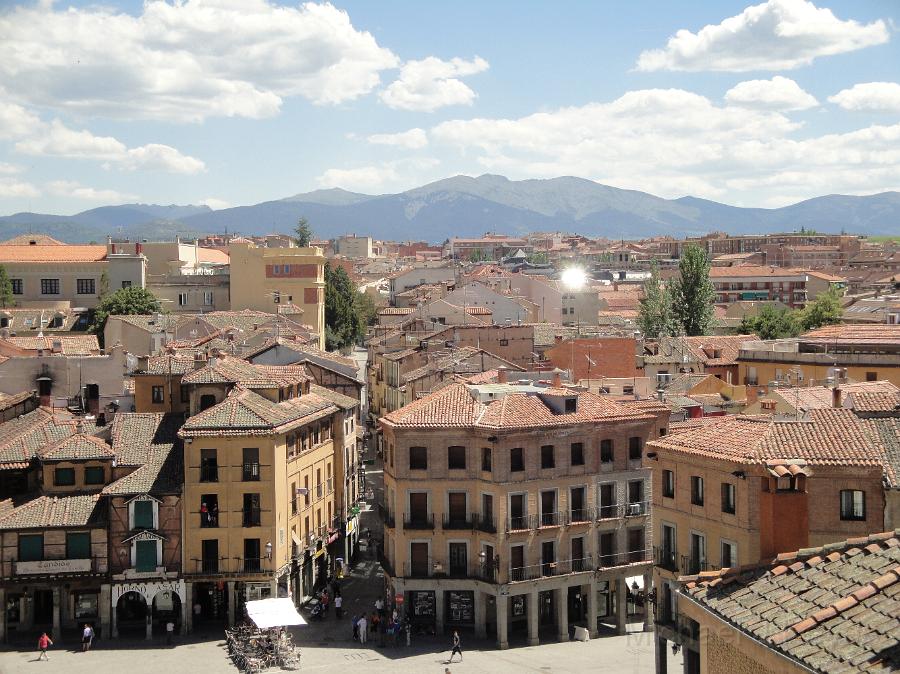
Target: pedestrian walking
{"type": "Point", "coordinates": [44, 642]}
{"type": "Point", "coordinates": [457, 646]}
{"type": "Point", "coordinates": [170, 631]}
{"type": "Point", "coordinates": [198, 610]}
{"type": "Point", "coordinates": [363, 624]}
{"type": "Point", "coordinates": [355, 621]}
{"type": "Point", "coordinates": [338, 602]}
{"type": "Point", "coordinates": [379, 606]}
{"type": "Point", "coordinates": [87, 637]}
{"type": "Point", "coordinates": [407, 633]}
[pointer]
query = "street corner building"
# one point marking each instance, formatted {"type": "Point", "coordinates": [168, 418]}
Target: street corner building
{"type": "Point", "coordinates": [519, 509]}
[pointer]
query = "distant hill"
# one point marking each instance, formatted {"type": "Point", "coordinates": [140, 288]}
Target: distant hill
{"type": "Point", "coordinates": [465, 206]}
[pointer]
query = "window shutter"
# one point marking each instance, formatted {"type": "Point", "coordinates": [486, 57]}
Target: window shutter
{"type": "Point", "coordinates": [143, 514]}
{"type": "Point", "coordinates": [146, 556]}
{"type": "Point", "coordinates": [78, 545]}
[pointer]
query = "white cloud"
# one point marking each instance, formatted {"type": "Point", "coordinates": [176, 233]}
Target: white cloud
{"type": "Point", "coordinates": [9, 169]}
{"type": "Point", "coordinates": [414, 139]}
{"type": "Point", "coordinates": [74, 190]}
{"type": "Point", "coordinates": [215, 204]}
{"type": "Point", "coordinates": [186, 60]}
{"type": "Point", "coordinates": [10, 187]}
{"type": "Point", "coordinates": [432, 83]}
{"type": "Point", "coordinates": [674, 142]}
{"type": "Point", "coordinates": [869, 97]}
{"type": "Point", "coordinates": [57, 140]}
{"type": "Point", "coordinates": [775, 35]}
{"type": "Point", "coordinates": [16, 121]}
{"type": "Point", "coordinates": [778, 93]}
{"type": "Point", "coordinates": [391, 175]}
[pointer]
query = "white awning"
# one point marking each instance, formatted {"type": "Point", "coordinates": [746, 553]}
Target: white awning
{"type": "Point", "coordinates": [266, 613]}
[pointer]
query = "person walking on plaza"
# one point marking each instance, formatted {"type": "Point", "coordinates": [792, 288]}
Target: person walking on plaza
{"type": "Point", "coordinates": [170, 631]}
{"type": "Point", "coordinates": [338, 602]}
{"type": "Point", "coordinates": [44, 642]}
{"type": "Point", "coordinates": [363, 624]}
{"type": "Point", "coordinates": [457, 646]}
{"type": "Point", "coordinates": [355, 621]}
{"type": "Point", "coordinates": [198, 609]}
{"type": "Point", "coordinates": [87, 636]}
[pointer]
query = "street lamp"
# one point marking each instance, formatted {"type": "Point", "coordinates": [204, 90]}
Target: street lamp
{"type": "Point", "coordinates": [269, 550]}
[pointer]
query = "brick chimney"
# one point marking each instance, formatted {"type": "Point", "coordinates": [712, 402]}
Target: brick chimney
{"type": "Point", "coordinates": [557, 380]}
{"type": "Point", "coordinates": [836, 397]}
{"type": "Point", "coordinates": [502, 376]}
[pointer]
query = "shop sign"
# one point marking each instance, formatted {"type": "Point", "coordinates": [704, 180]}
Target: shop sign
{"type": "Point", "coordinates": [398, 599]}
{"type": "Point", "coordinates": [149, 589]}
{"type": "Point", "coordinates": [53, 566]}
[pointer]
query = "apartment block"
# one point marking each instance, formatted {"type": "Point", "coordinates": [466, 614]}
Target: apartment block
{"type": "Point", "coordinates": [513, 508]}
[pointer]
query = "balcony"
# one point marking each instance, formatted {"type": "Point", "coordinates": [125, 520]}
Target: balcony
{"type": "Point", "coordinates": [461, 522]}
{"type": "Point", "coordinates": [421, 569]}
{"type": "Point", "coordinates": [486, 524]}
{"type": "Point", "coordinates": [637, 509]}
{"type": "Point", "coordinates": [581, 516]}
{"type": "Point", "coordinates": [610, 511]}
{"type": "Point", "coordinates": [209, 473]}
{"type": "Point", "coordinates": [553, 519]}
{"type": "Point", "coordinates": [386, 516]}
{"type": "Point", "coordinates": [252, 517]}
{"type": "Point", "coordinates": [666, 559]}
{"type": "Point", "coordinates": [611, 559]}
{"type": "Point", "coordinates": [691, 565]}
{"type": "Point", "coordinates": [250, 472]}
{"type": "Point", "coordinates": [549, 569]}
{"type": "Point", "coordinates": [418, 521]}
{"type": "Point", "coordinates": [521, 523]}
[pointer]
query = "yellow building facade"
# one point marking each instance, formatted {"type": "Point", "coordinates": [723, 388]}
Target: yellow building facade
{"type": "Point", "coordinates": [264, 278]}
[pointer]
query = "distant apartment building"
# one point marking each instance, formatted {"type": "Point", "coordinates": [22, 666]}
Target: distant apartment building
{"type": "Point", "coordinates": [770, 284]}
{"type": "Point", "coordinates": [62, 276]}
{"type": "Point", "coordinates": [721, 244]}
{"type": "Point", "coordinates": [418, 276]}
{"type": "Point", "coordinates": [512, 507]}
{"type": "Point", "coordinates": [489, 247]}
{"type": "Point", "coordinates": [805, 257]}
{"type": "Point", "coordinates": [264, 278]}
{"type": "Point", "coordinates": [354, 247]}
{"type": "Point", "coordinates": [852, 352]}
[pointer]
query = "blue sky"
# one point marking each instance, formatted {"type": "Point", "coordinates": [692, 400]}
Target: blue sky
{"type": "Point", "coordinates": [232, 102]}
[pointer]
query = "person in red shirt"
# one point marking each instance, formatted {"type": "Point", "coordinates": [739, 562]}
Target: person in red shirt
{"type": "Point", "coordinates": [44, 642]}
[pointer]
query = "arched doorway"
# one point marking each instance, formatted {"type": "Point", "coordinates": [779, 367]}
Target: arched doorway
{"type": "Point", "coordinates": [166, 606]}
{"type": "Point", "coordinates": [131, 613]}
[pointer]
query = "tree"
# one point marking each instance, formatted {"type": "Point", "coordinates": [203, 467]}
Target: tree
{"type": "Point", "coordinates": [131, 300]}
{"type": "Point", "coordinates": [342, 321]}
{"type": "Point", "coordinates": [693, 293]}
{"type": "Point", "coordinates": [772, 323]}
{"type": "Point", "coordinates": [825, 310]}
{"type": "Point", "coordinates": [104, 284]}
{"type": "Point", "coordinates": [303, 233]}
{"type": "Point", "coordinates": [657, 318]}
{"type": "Point", "coordinates": [6, 293]}
{"type": "Point", "coordinates": [539, 257]}
{"type": "Point", "coordinates": [365, 309]}
{"type": "Point", "coordinates": [478, 255]}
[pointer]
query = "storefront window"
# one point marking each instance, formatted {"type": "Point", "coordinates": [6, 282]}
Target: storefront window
{"type": "Point", "coordinates": [86, 606]}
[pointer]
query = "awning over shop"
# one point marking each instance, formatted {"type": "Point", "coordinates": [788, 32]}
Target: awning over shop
{"type": "Point", "coordinates": [266, 613]}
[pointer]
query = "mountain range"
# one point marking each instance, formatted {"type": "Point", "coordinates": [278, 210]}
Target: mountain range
{"type": "Point", "coordinates": [466, 207]}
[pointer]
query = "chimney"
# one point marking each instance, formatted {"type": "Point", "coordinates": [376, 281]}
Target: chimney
{"type": "Point", "coordinates": [142, 363]}
{"type": "Point", "coordinates": [557, 380]}
{"type": "Point", "coordinates": [836, 397]}
{"type": "Point", "coordinates": [502, 376]}
{"type": "Point", "coordinates": [199, 360]}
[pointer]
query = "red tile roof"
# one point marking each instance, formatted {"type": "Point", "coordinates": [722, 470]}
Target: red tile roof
{"type": "Point", "coordinates": [52, 253]}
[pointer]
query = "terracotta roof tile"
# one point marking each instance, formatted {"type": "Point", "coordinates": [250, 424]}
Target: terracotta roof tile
{"type": "Point", "coordinates": [77, 447]}
{"type": "Point", "coordinates": [151, 443]}
{"type": "Point", "coordinates": [55, 511]}
{"type": "Point", "coordinates": [52, 253]}
{"type": "Point", "coordinates": [231, 370]}
{"type": "Point", "coordinates": [22, 438]}
{"type": "Point", "coordinates": [69, 345]}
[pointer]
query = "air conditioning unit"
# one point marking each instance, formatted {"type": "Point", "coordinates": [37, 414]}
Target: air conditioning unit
{"type": "Point", "coordinates": [634, 509]}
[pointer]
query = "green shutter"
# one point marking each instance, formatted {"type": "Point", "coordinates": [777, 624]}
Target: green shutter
{"type": "Point", "coordinates": [143, 514]}
{"type": "Point", "coordinates": [78, 545]}
{"type": "Point", "coordinates": [146, 556]}
{"type": "Point", "coordinates": [31, 548]}
{"type": "Point", "coordinates": [93, 475]}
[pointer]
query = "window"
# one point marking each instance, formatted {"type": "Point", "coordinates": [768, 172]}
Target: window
{"type": "Point", "coordinates": [207, 298]}
{"type": "Point", "coordinates": [17, 286]}
{"type": "Point", "coordinates": [252, 510]}
{"type": "Point", "coordinates": [145, 559]}
{"type": "Point", "coordinates": [728, 554]}
{"type": "Point", "coordinates": [418, 458]}
{"type": "Point", "coordinates": [871, 376]}
{"type": "Point", "coordinates": [49, 286]}
{"type": "Point", "coordinates": [143, 514]}
{"type": "Point", "coordinates": [456, 457]}
{"type": "Point", "coordinates": [606, 451]}
{"type": "Point", "coordinates": [31, 547]}
{"type": "Point", "coordinates": [251, 464]}
{"type": "Point", "coordinates": [516, 460]}
{"type": "Point", "coordinates": [486, 459]}
{"type": "Point", "coordinates": [287, 269]}
{"type": "Point", "coordinates": [182, 299]}
{"type": "Point", "coordinates": [668, 484]}
{"type": "Point", "coordinates": [84, 286]}
{"type": "Point", "coordinates": [547, 458]}
{"type": "Point", "coordinates": [696, 490]}
{"type": "Point", "coordinates": [94, 475]}
{"type": "Point", "coordinates": [157, 394]}
{"type": "Point", "coordinates": [64, 477]}
{"type": "Point", "coordinates": [209, 467]}
{"type": "Point", "coordinates": [728, 498]}
{"type": "Point", "coordinates": [853, 504]}
{"type": "Point", "coordinates": [185, 393]}
{"type": "Point", "coordinates": [504, 342]}
{"type": "Point", "coordinates": [577, 454]}
{"type": "Point", "coordinates": [126, 284]}
{"type": "Point", "coordinates": [78, 545]}
{"type": "Point", "coordinates": [635, 448]}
